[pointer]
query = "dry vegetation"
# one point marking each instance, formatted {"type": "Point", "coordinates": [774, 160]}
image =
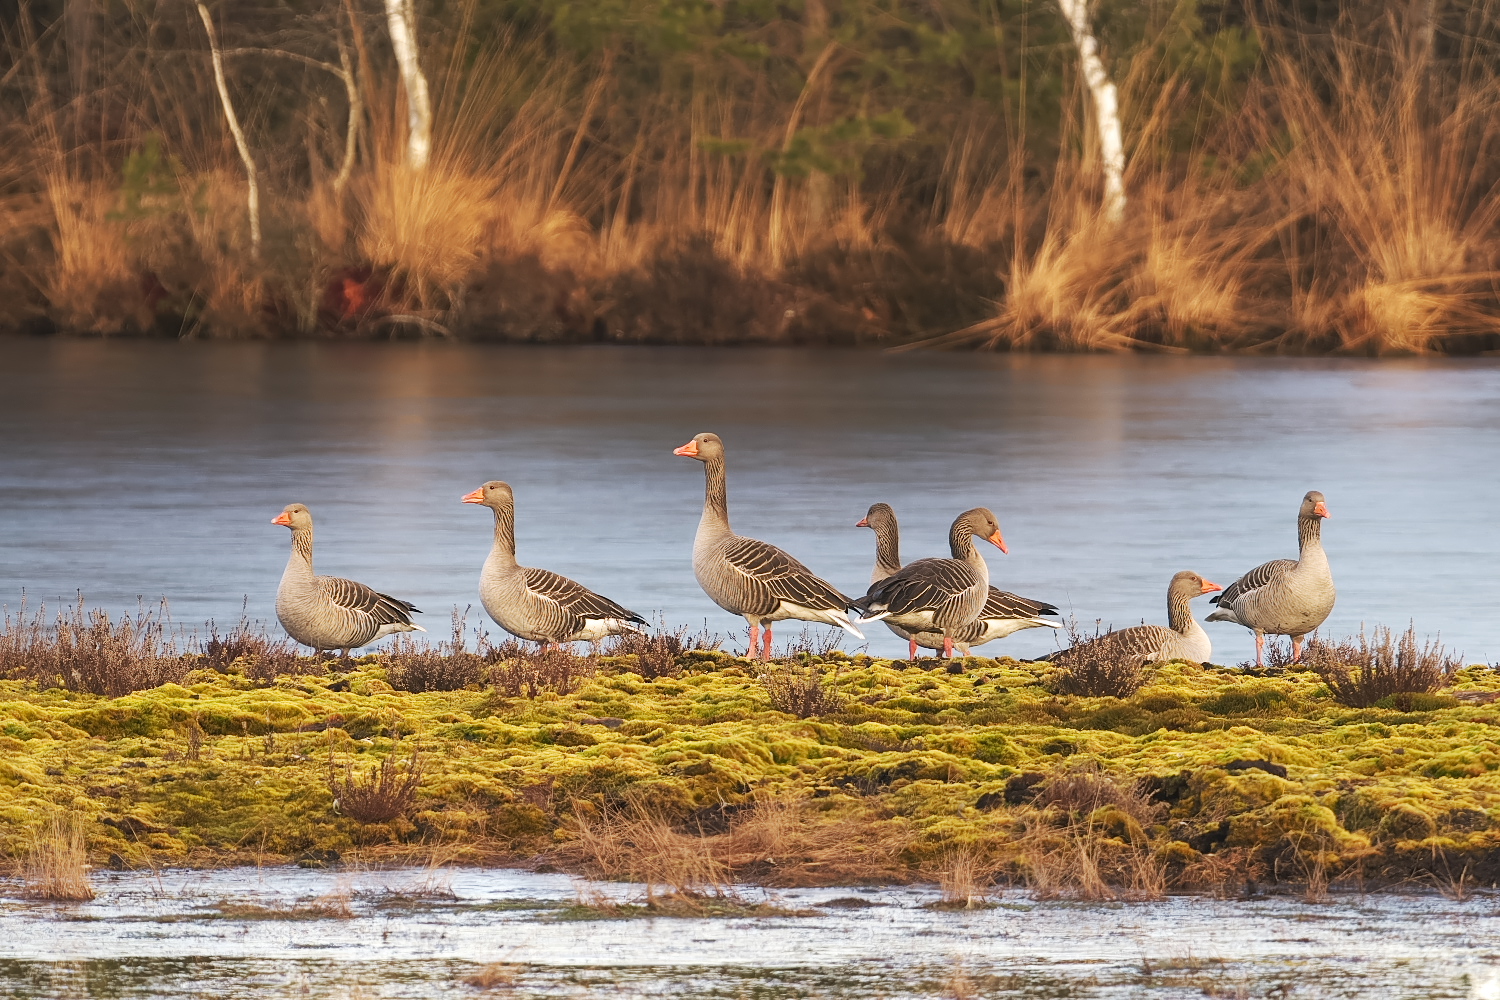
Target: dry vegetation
{"type": "Point", "coordinates": [846, 173]}
{"type": "Point", "coordinates": [689, 770]}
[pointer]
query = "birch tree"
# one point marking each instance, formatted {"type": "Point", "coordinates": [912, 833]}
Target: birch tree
{"type": "Point", "coordinates": [240, 142]}
{"type": "Point", "coordinates": [402, 17]}
{"type": "Point", "coordinates": [1106, 106]}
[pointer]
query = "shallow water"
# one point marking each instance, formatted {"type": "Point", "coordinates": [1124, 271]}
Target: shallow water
{"type": "Point", "coordinates": [153, 469]}
{"type": "Point", "coordinates": [418, 934]}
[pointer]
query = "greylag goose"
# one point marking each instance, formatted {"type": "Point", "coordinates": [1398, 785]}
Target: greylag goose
{"type": "Point", "coordinates": [538, 604]}
{"type": "Point", "coordinates": [329, 612]}
{"type": "Point", "coordinates": [1003, 613]}
{"type": "Point", "coordinates": [939, 595]}
{"type": "Point", "coordinates": [1183, 639]}
{"type": "Point", "coordinates": [748, 577]}
{"type": "Point", "coordinates": [1285, 596]}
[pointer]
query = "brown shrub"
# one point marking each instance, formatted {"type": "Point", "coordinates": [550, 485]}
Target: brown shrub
{"type": "Point", "coordinates": [783, 841]}
{"type": "Point", "coordinates": [57, 865]}
{"type": "Point", "coordinates": [522, 672]}
{"type": "Point", "coordinates": [449, 666]}
{"type": "Point", "coordinates": [85, 650]}
{"type": "Point", "coordinates": [801, 691]}
{"type": "Point", "coordinates": [388, 791]}
{"type": "Point", "coordinates": [1095, 667]}
{"type": "Point", "coordinates": [248, 648]}
{"type": "Point", "coordinates": [1364, 671]}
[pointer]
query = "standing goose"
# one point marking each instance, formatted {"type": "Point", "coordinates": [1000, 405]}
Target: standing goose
{"type": "Point", "coordinates": [329, 612]}
{"type": "Point", "coordinates": [1003, 613]}
{"type": "Point", "coordinates": [1183, 640]}
{"type": "Point", "coordinates": [538, 604]}
{"type": "Point", "coordinates": [748, 577]}
{"type": "Point", "coordinates": [939, 595]}
{"type": "Point", "coordinates": [1285, 596]}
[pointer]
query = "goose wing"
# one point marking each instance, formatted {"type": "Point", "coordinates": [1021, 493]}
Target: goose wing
{"type": "Point", "coordinates": [575, 598]}
{"type": "Point", "coordinates": [1137, 642]}
{"type": "Point", "coordinates": [925, 585]}
{"type": "Point", "coordinates": [1260, 576]}
{"type": "Point", "coordinates": [357, 599]}
{"type": "Point", "coordinates": [1003, 604]}
{"type": "Point", "coordinates": [775, 576]}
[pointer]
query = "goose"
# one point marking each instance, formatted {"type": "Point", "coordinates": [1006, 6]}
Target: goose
{"type": "Point", "coordinates": [939, 595]}
{"type": "Point", "coordinates": [538, 604]}
{"type": "Point", "coordinates": [329, 612]}
{"type": "Point", "coordinates": [1285, 596]}
{"type": "Point", "coordinates": [748, 577]}
{"type": "Point", "coordinates": [1003, 613]}
{"type": "Point", "coordinates": [1182, 639]}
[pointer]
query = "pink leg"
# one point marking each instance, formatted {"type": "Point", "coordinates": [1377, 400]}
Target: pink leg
{"type": "Point", "coordinates": [947, 648]}
{"type": "Point", "coordinates": [1260, 649]}
{"type": "Point", "coordinates": [1296, 648]}
{"type": "Point", "coordinates": [765, 647]}
{"type": "Point", "coordinates": [912, 655]}
{"type": "Point", "coordinates": [754, 640]}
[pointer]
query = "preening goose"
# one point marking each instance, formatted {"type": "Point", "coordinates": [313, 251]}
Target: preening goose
{"type": "Point", "coordinates": [1183, 640]}
{"type": "Point", "coordinates": [538, 604]}
{"type": "Point", "coordinates": [748, 577]}
{"type": "Point", "coordinates": [939, 595]}
{"type": "Point", "coordinates": [1285, 596]}
{"type": "Point", "coordinates": [329, 612]}
{"type": "Point", "coordinates": [1003, 613]}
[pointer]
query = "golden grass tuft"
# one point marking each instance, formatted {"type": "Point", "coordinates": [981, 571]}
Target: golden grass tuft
{"type": "Point", "coordinates": [57, 866]}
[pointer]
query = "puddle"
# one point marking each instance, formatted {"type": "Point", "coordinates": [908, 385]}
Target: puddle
{"type": "Point", "coordinates": [287, 932]}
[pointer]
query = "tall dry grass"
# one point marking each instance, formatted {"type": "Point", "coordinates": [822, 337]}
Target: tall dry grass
{"type": "Point", "coordinates": [57, 865]}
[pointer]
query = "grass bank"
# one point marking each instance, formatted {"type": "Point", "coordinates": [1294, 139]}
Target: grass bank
{"type": "Point", "coordinates": [680, 770]}
{"type": "Point", "coordinates": [1303, 179]}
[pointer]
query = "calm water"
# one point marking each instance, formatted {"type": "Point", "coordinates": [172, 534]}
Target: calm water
{"type": "Point", "coordinates": [417, 935]}
{"type": "Point", "coordinates": [153, 469]}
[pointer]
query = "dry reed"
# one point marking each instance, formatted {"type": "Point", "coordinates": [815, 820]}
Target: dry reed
{"type": "Point", "coordinates": [57, 866]}
{"type": "Point", "coordinates": [802, 691]}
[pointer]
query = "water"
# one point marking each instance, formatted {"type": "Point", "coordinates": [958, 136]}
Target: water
{"type": "Point", "coordinates": [417, 934]}
{"type": "Point", "coordinates": [153, 469]}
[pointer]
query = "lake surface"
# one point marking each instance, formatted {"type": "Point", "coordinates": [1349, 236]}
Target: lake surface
{"type": "Point", "coordinates": [146, 469]}
{"type": "Point", "coordinates": [418, 934]}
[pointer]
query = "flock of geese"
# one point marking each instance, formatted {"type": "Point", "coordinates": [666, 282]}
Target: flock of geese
{"type": "Point", "coordinates": [938, 604]}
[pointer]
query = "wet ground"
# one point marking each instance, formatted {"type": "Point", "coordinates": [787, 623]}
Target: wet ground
{"type": "Point", "coordinates": [421, 934]}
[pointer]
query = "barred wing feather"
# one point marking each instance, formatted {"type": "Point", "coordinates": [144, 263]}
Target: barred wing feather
{"type": "Point", "coordinates": [382, 609]}
{"type": "Point", "coordinates": [774, 577]}
{"type": "Point", "coordinates": [1257, 578]}
{"type": "Point", "coordinates": [575, 598]}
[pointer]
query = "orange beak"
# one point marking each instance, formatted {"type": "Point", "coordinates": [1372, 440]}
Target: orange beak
{"type": "Point", "coordinates": [282, 519]}
{"type": "Point", "coordinates": [690, 450]}
{"type": "Point", "coordinates": [998, 542]}
{"type": "Point", "coordinates": [1321, 509]}
{"type": "Point", "coordinates": [863, 522]}
{"type": "Point", "coordinates": [476, 497]}
{"type": "Point", "coordinates": [1209, 587]}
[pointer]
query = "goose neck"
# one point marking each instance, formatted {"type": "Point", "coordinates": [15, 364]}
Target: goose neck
{"type": "Point", "coordinates": [302, 551]}
{"type": "Point", "coordinates": [887, 551]}
{"type": "Point", "coordinates": [1309, 533]}
{"type": "Point", "coordinates": [715, 496]}
{"type": "Point", "coordinates": [503, 552]}
{"type": "Point", "coordinates": [1180, 611]}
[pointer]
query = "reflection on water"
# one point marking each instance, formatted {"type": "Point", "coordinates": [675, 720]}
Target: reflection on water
{"type": "Point", "coordinates": [153, 469]}
{"type": "Point", "coordinates": [420, 934]}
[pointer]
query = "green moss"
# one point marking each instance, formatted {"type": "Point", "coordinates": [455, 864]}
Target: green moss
{"type": "Point", "coordinates": [922, 752]}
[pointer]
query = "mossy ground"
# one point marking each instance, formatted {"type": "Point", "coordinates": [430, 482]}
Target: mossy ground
{"type": "Point", "coordinates": [920, 764]}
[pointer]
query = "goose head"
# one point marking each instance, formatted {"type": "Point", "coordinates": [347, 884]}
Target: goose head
{"type": "Point", "coordinates": [704, 447]}
{"type": "Point", "coordinates": [982, 523]}
{"type": "Point", "coordinates": [1313, 505]}
{"type": "Point", "coordinates": [879, 517]}
{"type": "Point", "coordinates": [295, 516]}
{"type": "Point", "coordinates": [1190, 585]}
{"type": "Point", "coordinates": [493, 494]}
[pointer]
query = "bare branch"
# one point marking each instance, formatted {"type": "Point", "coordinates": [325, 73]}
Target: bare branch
{"type": "Point", "coordinates": [234, 127]}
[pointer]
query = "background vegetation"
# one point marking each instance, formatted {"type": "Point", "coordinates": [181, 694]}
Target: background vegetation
{"type": "Point", "coordinates": [1308, 176]}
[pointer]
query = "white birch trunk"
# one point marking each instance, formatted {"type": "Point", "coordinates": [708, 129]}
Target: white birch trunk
{"type": "Point", "coordinates": [402, 16]}
{"type": "Point", "coordinates": [253, 198]}
{"type": "Point", "coordinates": [1106, 106]}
